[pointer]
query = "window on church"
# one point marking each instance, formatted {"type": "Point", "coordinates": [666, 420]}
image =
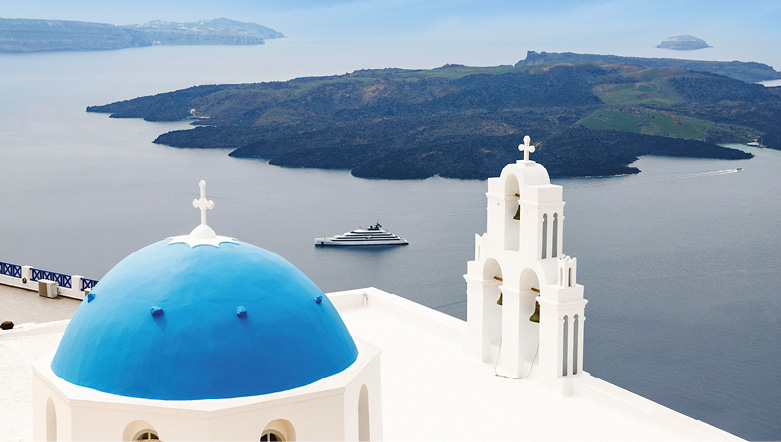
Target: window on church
{"type": "Point", "coordinates": [271, 436]}
{"type": "Point", "coordinates": [278, 430]}
{"type": "Point", "coordinates": [146, 435]}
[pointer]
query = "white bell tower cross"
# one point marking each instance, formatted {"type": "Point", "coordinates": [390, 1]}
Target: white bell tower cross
{"type": "Point", "coordinates": [525, 310]}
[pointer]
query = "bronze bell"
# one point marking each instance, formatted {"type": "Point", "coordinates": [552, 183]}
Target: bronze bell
{"type": "Point", "coordinates": [535, 317]}
{"type": "Point", "coordinates": [499, 301]}
{"type": "Point", "coordinates": [518, 214]}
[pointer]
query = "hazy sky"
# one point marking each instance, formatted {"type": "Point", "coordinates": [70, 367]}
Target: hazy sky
{"type": "Point", "coordinates": [587, 25]}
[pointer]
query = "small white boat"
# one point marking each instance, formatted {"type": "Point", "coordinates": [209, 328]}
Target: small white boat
{"type": "Point", "coordinates": [372, 236]}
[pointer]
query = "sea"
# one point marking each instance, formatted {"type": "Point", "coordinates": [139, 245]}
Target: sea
{"type": "Point", "coordinates": [680, 262]}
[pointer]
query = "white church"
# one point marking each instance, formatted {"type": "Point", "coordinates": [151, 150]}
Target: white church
{"type": "Point", "coordinates": [203, 337]}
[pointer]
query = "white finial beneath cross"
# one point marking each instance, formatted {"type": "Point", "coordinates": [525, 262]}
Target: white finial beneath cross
{"type": "Point", "coordinates": [526, 148]}
{"type": "Point", "coordinates": [203, 235]}
{"type": "Point", "coordinates": [203, 203]}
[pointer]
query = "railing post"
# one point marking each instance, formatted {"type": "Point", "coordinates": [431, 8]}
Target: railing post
{"type": "Point", "coordinates": [76, 283]}
{"type": "Point", "coordinates": [27, 278]}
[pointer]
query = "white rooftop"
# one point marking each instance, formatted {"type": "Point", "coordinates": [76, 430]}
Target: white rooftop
{"type": "Point", "coordinates": [431, 389]}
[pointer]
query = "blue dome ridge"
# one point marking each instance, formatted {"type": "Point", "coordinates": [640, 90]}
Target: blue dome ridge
{"type": "Point", "coordinates": [198, 346]}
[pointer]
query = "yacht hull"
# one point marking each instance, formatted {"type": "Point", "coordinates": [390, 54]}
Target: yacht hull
{"type": "Point", "coordinates": [333, 242]}
{"type": "Point", "coordinates": [371, 236]}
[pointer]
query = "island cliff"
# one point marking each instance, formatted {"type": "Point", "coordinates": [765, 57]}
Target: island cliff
{"type": "Point", "coordinates": [464, 122]}
{"type": "Point", "coordinates": [23, 35]}
{"type": "Point", "coordinates": [219, 31]}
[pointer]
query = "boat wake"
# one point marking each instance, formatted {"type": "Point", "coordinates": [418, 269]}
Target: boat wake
{"type": "Point", "coordinates": [646, 179]}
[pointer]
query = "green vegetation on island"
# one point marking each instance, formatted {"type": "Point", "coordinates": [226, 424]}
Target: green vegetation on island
{"type": "Point", "coordinates": [751, 72]}
{"type": "Point", "coordinates": [586, 118]}
{"type": "Point", "coordinates": [26, 35]}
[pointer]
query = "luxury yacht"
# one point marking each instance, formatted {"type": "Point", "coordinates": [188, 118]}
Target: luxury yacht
{"type": "Point", "coordinates": [372, 236]}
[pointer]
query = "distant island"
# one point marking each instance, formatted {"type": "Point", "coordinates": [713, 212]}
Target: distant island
{"type": "Point", "coordinates": [219, 31]}
{"type": "Point", "coordinates": [683, 43]}
{"type": "Point", "coordinates": [586, 118]}
{"type": "Point", "coordinates": [26, 35]}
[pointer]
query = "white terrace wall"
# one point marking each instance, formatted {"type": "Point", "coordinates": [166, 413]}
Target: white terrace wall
{"type": "Point", "coordinates": [27, 277]}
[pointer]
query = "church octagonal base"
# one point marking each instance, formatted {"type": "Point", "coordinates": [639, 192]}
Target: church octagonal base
{"type": "Point", "coordinates": [345, 406]}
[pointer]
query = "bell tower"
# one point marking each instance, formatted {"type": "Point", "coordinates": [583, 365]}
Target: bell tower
{"type": "Point", "coordinates": [524, 306]}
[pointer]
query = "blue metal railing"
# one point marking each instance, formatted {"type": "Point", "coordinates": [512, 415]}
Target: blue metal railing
{"type": "Point", "coordinates": [87, 283]}
{"type": "Point", "coordinates": [61, 279]}
{"type": "Point", "coordinates": [12, 270]}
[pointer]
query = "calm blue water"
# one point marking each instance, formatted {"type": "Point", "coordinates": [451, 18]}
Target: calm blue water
{"type": "Point", "coordinates": [680, 262]}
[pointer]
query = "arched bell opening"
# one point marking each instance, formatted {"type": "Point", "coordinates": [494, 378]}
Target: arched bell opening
{"type": "Point", "coordinates": [565, 345]}
{"type": "Point", "coordinates": [555, 236]}
{"type": "Point", "coordinates": [575, 343]}
{"type": "Point", "coordinates": [544, 251]}
{"type": "Point", "coordinates": [493, 300]}
{"type": "Point", "coordinates": [529, 289]}
{"type": "Point", "coordinates": [512, 213]}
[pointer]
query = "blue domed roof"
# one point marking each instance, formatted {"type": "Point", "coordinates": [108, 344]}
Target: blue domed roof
{"type": "Point", "coordinates": [177, 322]}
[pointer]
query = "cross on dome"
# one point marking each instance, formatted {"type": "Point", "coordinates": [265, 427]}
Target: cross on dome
{"type": "Point", "coordinates": [526, 148]}
{"type": "Point", "coordinates": [203, 203]}
{"type": "Point", "coordinates": [203, 234]}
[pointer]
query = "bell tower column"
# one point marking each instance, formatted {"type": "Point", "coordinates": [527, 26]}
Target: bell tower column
{"type": "Point", "coordinates": [484, 317]}
{"type": "Point", "coordinates": [562, 323]}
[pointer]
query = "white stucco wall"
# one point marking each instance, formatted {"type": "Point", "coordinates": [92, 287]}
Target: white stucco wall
{"type": "Point", "coordinates": [324, 410]}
